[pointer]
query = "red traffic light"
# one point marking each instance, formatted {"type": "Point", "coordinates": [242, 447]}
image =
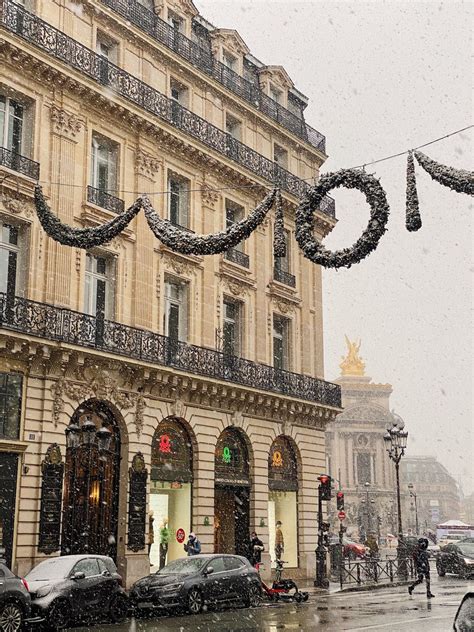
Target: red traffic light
{"type": "Point", "coordinates": [340, 500]}
{"type": "Point", "coordinates": [340, 494]}
{"type": "Point", "coordinates": [323, 479]}
{"type": "Point", "coordinates": [341, 515]}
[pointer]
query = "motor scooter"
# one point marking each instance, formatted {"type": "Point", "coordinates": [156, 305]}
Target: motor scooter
{"type": "Point", "coordinates": [282, 589]}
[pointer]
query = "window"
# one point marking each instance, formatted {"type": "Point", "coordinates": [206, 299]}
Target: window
{"type": "Point", "coordinates": [232, 327]}
{"type": "Point", "coordinates": [280, 156]}
{"type": "Point", "coordinates": [11, 124]}
{"type": "Point", "coordinates": [99, 286]}
{"type": "Point", "coordinates": [229, 60]}
{"type": "Point", "coordinates": [294, 108]}
{"type": "Point", "coordinates": [176, 22]}
{"type": "Point", "coordinates": [10, 405]}
{"type": "Point", "coordinates": [104, 164]}
{"type": "Point", "coordinates": [276, 94]}
{"type": "Point", "coordinates": [233, 564]}
{"type": "Point", "coordinates": [148, 4]}
{"type": "Point", "coordinates": [364, 474]}
{"type": "Point", "coordinates": [9, 253]}
{"type": "Point", "coordinates": [176, 310]}
{"type": "Point", "coordinates": [107, 47]}
{"type": "Point", "coordinates": [178, 200]}
{"type": "Point", "coordinates": [234, 213]}
{"type": "Point", "coordinates": [89, 567]}
{"type": "Point", "coordinates": [283, 263]}
{"type": "Point", "coordinates": [218, 565]}
{"type": "Point", "coordinates": [179, 92]}
{"type": "Point", "coordinates": [233, 127]}
{"type": "Point", "coordinates": [280, 343]}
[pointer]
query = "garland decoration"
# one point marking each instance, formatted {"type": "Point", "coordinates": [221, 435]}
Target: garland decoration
{"type": "Point", "coordinates": [413, 217]}
{"type": "Point", "coordinates": [81, 237]}
{"type": "Point", "coordinates": [367, 242]}
{"type": "Point", "coordinates": [279, 239]}
{"type": "Point", "coordinates": [459, 180]}
{"type": "Point", "coordinates": [187, 243]}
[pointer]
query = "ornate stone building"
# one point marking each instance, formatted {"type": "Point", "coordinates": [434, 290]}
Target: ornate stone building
{"type": "Point", "coordinates": [132, 379]}
{"type": "Point", "coordinates": [356, 452]}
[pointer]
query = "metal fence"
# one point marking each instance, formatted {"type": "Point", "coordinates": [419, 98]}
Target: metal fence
{"type": "Point", "coordinates": [370, 570]}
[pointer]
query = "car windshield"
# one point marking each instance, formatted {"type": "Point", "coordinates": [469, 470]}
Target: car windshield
{"type": "Point", "coordinates": [58, 568]}
{"type": "Point", "coordinates": [467, 548]}
{"type": "Point", "coordinates": [185, 566]}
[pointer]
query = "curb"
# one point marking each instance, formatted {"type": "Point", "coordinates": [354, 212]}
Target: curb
{"type": "Point", "coordinates": [367, 587]}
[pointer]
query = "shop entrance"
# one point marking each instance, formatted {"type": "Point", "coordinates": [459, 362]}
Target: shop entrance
{"type": "Point", "coordinates": [231, 494]}
{"type": "Point", "coordinates": [8, 478]}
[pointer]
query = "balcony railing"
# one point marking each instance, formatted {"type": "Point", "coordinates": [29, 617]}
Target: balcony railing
{"type": "Point", "coordinates": [19, 163]}
{"type": "Point", "coordinates": [284, 277]}
{"type": "Point", "coordinates": [203, 59]}
{"type": "Point", "coordinates": [236, 256]}
{"type": "Point", "coordinates": [105, 200]}
{"type": "Point", "coordinates": [95, 67]}
{"type": "Point", "coordinates": [64, 325]}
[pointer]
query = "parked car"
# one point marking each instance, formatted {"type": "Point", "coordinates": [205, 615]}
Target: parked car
{"type": "Point", "coordinates": [68, 589]}
{"type": "Point", "coordinates": [352, 549]}
{"type": "Point", "coordinates": [464, 619]}
{"type": "Point", "coordinates": [15, 601]}
{"type": "Point", "coordinates": [193, 582]}
{"type": "Point", "coordinates": [456, 558]}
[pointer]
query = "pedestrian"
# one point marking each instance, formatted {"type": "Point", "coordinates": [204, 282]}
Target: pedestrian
{"type": "Point", "coordinates": [422, 563]}
{"type": "Point", "coordinates": [279, 541]}
{"type": "Point", "coordinates": [193, 546]}
{"type": "Point", "coordinates": [255, 549]}
{"type": "Point", "coordinates": [151, 534]}
{"type": "Point", "coordinates": [372, 545]}
{"type": "Point", "coordinates": [165, 536]}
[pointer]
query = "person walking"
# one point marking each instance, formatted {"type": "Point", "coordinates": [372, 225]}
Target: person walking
{"type": "Point", "coordinates": [165, 536]}
{"type": "Point", "coordinates": [279, 541]}
{"type": "Point", "coordinates": [372, 544]}
{"type": "Point", "coordinates": [151, 533]}
{"type": "Point", "coordinates": [255, 549]}
{"type": "Point", "coordinates": [193, 546]}
{"type": "Point", "coordinates": [422, 563]}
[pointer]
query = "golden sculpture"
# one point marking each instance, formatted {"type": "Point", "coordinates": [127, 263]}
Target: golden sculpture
{"type": "Point", "coordinates": [352, 364]}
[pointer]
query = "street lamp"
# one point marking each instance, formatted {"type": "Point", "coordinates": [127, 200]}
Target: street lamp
{"type": "Point", "coordinates": [413, 495]}
{"type": "Point", "coordinates": [395, 443]}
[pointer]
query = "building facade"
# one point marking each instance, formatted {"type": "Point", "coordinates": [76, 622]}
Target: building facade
{"type": "Point", "coordinates": [357, 458]}
{"type": "Point", "coordinates": [145, 392]}
{"type": "Point", "coordinates": [437, 494]}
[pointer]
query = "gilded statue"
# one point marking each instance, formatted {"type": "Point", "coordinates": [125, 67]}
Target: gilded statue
{"type": "Point", "coordinates": [352, 364]}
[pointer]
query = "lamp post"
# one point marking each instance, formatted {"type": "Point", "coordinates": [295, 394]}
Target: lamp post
{"type": "Point", "coordinates": [413, 495]}
{"type": "Point", "coordinates": [395, 443]}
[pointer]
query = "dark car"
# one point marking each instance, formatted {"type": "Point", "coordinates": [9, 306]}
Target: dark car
{"type": "Point", "coordinates": [193, 582]}
{"type": "Point", "coordinates": [464, 619]}
{"type": "Point", "coordinates": [457, 559]}
{"type": "Point", "coordinates": [15, 602]}
{"type": "Point", "coordinates": [76, 587]}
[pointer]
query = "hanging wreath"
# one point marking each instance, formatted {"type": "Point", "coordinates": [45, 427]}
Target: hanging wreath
{"type": "Point", "coordinates": [459, 180]}
{"type": "Point", "coordinates": [81, 237]}
{"type": "Point", "coordinates": [367, 242]}
{"type": "Point", "coordinates": [187, 243]}
{"type": "Point", "coordinates": [413, 217]}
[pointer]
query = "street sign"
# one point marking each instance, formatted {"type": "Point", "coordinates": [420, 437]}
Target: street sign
{"type": "Point", "coordinates": [341, 515]}
{"type": "Point", "coordinates": [180, 536]}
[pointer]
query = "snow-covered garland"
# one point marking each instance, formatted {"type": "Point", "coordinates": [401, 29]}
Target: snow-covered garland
{"type": "Point", "coordinates": [459, 180]}
{"type": "Point", "coordinates": [413, 218]}
{"type": "Point", "coordinates": [81, 237]}
{"type": "Point", "coordinates": [367, 242]}
{"type": "Point", "coordinates": [187, 243]}
{"type": "Point", "coordinates": [279, 240]}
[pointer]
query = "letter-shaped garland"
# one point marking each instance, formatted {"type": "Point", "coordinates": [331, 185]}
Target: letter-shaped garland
{"type": "Point", "coordinates": [459, 180]}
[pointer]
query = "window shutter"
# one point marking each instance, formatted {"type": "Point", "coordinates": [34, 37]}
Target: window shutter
{"type": "Point", "coordinates": [184, 204]}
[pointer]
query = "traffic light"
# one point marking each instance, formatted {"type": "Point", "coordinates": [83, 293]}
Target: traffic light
{"type": "Point", "coordinates": [325, 487]}
{"type": "Point", "coordinates": [340, 501]}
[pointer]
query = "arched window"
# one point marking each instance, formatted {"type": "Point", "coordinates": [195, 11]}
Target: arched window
{"type": "Point", "coordinates": [171, 454]}
{"type": "Point", "coordinates": [232, 458]}
{"type": "Point", "coordinates": [282, 466]}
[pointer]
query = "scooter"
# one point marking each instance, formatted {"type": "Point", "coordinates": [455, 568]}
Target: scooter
{"type": "Point", "coordinates": [282, 588]}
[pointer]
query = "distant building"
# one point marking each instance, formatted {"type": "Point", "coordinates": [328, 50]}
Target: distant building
{"type": "Point", "coordinates": [467, 509]}
{"type": "Point", "coordinates": [437, 494]}
{"type": "Point", "coordinates": [357, 458]}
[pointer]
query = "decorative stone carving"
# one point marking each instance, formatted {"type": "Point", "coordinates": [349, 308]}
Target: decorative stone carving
{"type": "Point", "coordinates": [177, 265]}
{"type": "Point", "coordinates": [178, 408]}
{"type": "Point", "coordinates": [209, 196]}
{"type": "Point", "coordinates": [284, 307]}
{"type": "Point", "coordinates": [65, 124]}
{"type": "Point", "coordinates": [237, 419]}
{"type": "Point", "coordinates": [146, 165]}
{"type": "Point", "coordinates": [16, 206]}
{"type": "Point", "coordinates": [236, 288]}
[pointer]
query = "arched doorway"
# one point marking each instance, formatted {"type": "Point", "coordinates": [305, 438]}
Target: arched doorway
{"type": "Point", "coordinates": [283, 500]}
{"type": "Point", "coordinates": [232, 493]}
{"type": "Point", "coordinates": [170, 489]}
{"type": "Point", "coordinates": [91, 487]}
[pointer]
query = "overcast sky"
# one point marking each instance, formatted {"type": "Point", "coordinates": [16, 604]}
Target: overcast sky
{"type": "Point", "coordinates": [383, 77]}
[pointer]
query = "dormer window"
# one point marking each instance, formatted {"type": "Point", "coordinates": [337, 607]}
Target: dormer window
{"type": "Point", "coordinates": [229, 60]}
{"type": "Point", "coordinates": [176, 21]}
{"type": "Point", "coordinates": [276, 94]}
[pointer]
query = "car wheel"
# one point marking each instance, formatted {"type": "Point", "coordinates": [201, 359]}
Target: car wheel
{"type": "Point", "coordinates": [11, 617]}
{"type": "Point", "coordinates": [118, 608]}
{"type": "Point", "coordinates": [298, 597]}
{"type": "Point", "coordinates": [58, 615]}
{"type": "Point", "coordinates": [194, 601]}
{"type": "Point", "coordinates": [440, 569]}
{"type": "Point", "coordinates": [254, 596]}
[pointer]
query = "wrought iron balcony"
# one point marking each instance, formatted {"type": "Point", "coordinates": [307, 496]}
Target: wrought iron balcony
{"type": "Point", "coordinates": [237, 256]}
{"type": "Point", "coordinates": [19, 163]}
{"type": "Point", "coordinates": [64, 325]}
{"type": "Point", "coordinates": [105, 200]}
{"type": "Point", "coordinates": [284, 277]}
{"type": "Point", "coordinates": [204, 61]}
{"type": "Point", "coordinates": [95, 67]}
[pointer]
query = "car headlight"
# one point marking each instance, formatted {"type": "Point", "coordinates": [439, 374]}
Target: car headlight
{"type": "Point", "coordinates": [468, 560]}
{"type": "Point", "coordinates": [172, 587]}
{"type": "Point", "coordinates": [43, 591]}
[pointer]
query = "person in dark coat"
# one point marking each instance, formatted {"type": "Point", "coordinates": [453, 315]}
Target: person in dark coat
{"type": "Point", "coordinates": [255, 549]}
{"type": "Point", "coordinates": [193, 546]}
{"type": "Point", "coordinates": [422, 563]}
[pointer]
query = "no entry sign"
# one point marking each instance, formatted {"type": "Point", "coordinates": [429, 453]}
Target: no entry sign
{"type": "Point", "coordinates": [180, 535]}
{"type": "Point", "coordinates": [341, 515]}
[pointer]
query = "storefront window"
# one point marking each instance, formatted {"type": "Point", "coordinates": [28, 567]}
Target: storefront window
{"type": "Point", "coordinates": [10, 405]}
{"type": "Point", "coordinates": [170, 490]}
{"type": "Point", "coordinates": [283, 502]}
